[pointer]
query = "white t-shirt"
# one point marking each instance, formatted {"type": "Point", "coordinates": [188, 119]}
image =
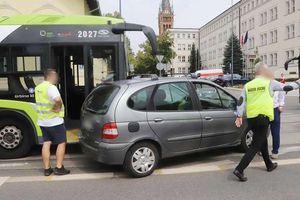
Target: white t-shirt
{"type": "Point", "coordinates": [52, 94]}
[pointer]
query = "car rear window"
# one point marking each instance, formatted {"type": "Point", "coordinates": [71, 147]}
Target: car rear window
{"type": "Point", "coordinates": [100, 99]}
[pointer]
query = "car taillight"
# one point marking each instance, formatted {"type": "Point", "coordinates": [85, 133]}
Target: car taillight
{"type": "Point", "coordinates": [110, 131]}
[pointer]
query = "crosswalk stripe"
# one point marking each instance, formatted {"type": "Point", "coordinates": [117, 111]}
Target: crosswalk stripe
{"type": "Point", "coordinates": [3, 180]}
{"type": "Point", "coordinates": [195, 168]}
{"type": "Point", "coordinates": [71, 177]}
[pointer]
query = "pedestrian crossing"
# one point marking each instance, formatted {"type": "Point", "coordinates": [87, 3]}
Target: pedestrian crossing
{"type": "Point", "coordinates": [217, 166]}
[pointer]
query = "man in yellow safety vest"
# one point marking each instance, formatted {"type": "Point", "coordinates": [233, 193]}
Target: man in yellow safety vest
{"type": "Point", "coordinates": [257, 100]}
{"type": "Point", "coordinates": [50, 110]}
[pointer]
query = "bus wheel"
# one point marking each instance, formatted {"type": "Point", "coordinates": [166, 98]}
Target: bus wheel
{"type": "Point", "coordinates": [15, 140]}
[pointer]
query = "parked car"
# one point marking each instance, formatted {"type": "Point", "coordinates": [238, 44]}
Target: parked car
{"type": "Point", "coordinates": [135, 123]}
{"type": "Point", "coordinates": [225, 81]}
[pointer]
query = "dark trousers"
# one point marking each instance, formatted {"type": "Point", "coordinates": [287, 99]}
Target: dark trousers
{"type": "Point", "coordinates": [275, 130]}
{"type": "Point", "coordinates": [259, 126]}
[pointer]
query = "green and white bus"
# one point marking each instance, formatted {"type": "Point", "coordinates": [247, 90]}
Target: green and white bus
{"type": "Point", "coordinates": [85, 51]}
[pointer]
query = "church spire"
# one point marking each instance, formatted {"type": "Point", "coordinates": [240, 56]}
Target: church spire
{"type": "Point", "coordinates": [166, 16]}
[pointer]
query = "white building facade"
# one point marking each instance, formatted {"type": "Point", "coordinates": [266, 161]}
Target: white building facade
{"type": "Point", "coordinates": [273, 28]}
{"type": "Point", "coordinates": [183, 42]}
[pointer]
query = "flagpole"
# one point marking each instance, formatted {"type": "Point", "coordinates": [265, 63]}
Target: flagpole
{"type": "Point", "coordinates": [231, 70]}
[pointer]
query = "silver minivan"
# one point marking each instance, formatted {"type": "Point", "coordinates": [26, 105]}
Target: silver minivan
{"type": "Point", "coordinates": [135, 123]}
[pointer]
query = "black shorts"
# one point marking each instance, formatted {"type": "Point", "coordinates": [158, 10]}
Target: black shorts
{"type": "Point", "coordinates": [55, 134]}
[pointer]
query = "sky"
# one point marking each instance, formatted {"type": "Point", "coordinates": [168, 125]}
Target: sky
{"type": "Point", "coordinates": [188, 13]}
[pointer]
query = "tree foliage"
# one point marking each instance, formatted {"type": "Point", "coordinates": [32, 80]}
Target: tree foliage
{"type": "Point", "coordinates": [237, 55]}
{"type": "Point", "coordinates": [193, 59]}
{"type": "Point", "coordinates": [145, 62]}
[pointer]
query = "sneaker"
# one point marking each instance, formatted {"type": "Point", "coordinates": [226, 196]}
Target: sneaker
{"type": "Point", "coordinates": [48, 172]}
{"type": "Point", "coordinates": [61, 171]}
{"type": "Point", "coordinates": [274, 166]}
{"type": "Point", "coordinates": [274, 156]}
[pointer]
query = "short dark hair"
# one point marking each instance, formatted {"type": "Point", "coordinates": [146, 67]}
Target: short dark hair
{"type": "Point", "coordinates": [48, 71]}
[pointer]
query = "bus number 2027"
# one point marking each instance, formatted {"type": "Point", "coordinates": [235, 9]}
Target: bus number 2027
{"type": "Point", "coordinates": [87, 34]}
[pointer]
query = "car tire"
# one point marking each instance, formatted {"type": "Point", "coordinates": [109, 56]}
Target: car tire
{"type": "Point", "coordinates": [148, 164]}
{"type": "Point", "coordinates": [246, 140]}
{"type": "Point", "coordinates": [15, 140]}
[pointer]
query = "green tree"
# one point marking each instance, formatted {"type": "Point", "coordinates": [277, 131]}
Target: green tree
{"type": "Point", "coordinates": [193, 59]}
{"type": "Point", "coordinates": [145, 61]}
{"type": "Point", "coordinates": [199, 61]}
{"type": "Point", "coordinates": [237, 55]}
{"type": "Point", "coordinates": [115, 14]}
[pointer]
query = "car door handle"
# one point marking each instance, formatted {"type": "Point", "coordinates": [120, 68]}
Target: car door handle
{"type": "Point", "coordinates": [208, 118]}
{"type": "Point", "coordinates": [157, 120]}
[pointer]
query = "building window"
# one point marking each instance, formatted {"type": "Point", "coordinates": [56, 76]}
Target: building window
{"type": "Point", "coordinates": [290, 31]}
{"type": "Point", "coordinates": [275, 59]}
{"type": "Point", "coordinates": [290, 6]}
{"type": "Point", "coordinates": [273, 36]}
{"type": "Point", "coordinates": [183, 59]}
{"type": "Point", "coordinates": [178, 35]}
{"type": "Point", "coordinates": [189, 47]}
{"type": "Point", "coordinates": [179, 70]}
{"type": "Point", "coordinates": [189, 36]}
{"type": "Point", "coordinates": [194, 36]}
{"type": "Point", "coordinates": [183, 47]}
{"type": "Point", "coordinates": [179, 58]}
{"type": "Point", "coordinates": [290, 54]}
{"type": "Point", "coordinates": [273, 14]}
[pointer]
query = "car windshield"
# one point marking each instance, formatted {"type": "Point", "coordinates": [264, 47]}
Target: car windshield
{"type": "Point", "coordinates": [100, 99]}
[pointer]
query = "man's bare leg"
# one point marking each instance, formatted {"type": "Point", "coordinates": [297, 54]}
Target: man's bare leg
{"type": "Point", "coordinates": [46, 154]}
{"type": "Point", "coordinates": [60, 154]}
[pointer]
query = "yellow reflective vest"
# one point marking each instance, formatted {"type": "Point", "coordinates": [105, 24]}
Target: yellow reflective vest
{"type": "Point", "coordinates": [259, 99]}
{"type": "Point", "coordinates": [44, 104]}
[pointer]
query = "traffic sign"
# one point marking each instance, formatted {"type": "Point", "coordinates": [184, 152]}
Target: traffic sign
{"type": "Point", "coordinates": [160, 66]}
{"type": "Point", "coordinates": [160, 58]}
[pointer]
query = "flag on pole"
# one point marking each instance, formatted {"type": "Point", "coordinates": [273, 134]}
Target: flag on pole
{"type": "Point", "coordinates": [246, 38]}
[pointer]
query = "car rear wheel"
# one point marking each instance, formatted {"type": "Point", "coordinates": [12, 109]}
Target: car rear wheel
{"type": "Point", "coordinates": [141, 160]}
{"type": "Point", "coordinates": [247, 139]}
{"type": "Point", "coordinates": [15, 140]}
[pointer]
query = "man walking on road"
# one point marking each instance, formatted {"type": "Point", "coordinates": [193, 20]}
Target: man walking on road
{"type": "Point", "coordinates": [257, 100]}
{"type": "Point", "coordinates": [50, 111]}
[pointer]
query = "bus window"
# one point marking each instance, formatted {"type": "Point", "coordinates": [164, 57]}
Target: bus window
{"type": "Point", "coordinates": [28, 63]}
{"type": "Point", "coordinates": [4, 59]}
{"type": "Point", "coordinates": [27, 59]}
{"type": "Point", "coordinates": [3, 85]}
{"type": "Point", "coordinates": [103, 63]}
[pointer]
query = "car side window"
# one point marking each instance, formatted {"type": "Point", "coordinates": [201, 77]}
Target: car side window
{"type": "Point", "coordinates": [140, 99]}
{"type": "Point", "coordinates": [208, 96]}
{"type": "Point", "coordinates": [172, 97]}
{"type": "Point", "coordinates": [228, 101]}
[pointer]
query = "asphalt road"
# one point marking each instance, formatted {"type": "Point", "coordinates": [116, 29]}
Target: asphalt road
{"type": "Point", "coordinates": [205, 176]}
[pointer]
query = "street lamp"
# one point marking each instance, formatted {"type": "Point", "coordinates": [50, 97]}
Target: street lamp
{"type": "Point", "coordinates": [231, 43]}
{"type": "Point", "coordinates": [120, 7]}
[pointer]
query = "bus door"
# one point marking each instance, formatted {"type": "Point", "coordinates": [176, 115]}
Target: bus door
{"type": "Point", "coordinates": [102, 65]}
{"type": "Point", "coordinates": [69, 61]}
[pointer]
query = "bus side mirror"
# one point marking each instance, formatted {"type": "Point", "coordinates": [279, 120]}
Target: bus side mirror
{"type": "Point", "coordinates": [148, 32]}
{"type": "Point", "coordinates": [286, 64]}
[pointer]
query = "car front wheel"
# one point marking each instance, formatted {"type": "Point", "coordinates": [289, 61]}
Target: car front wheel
{"type": "Point", "coordinates": [247, 139]}
{"type": "Point", "coordinates": [141, 160]}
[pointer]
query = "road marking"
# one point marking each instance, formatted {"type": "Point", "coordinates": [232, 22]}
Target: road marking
{"type": "Point", "coordinates": [5, 165]}
{"type": "Point", "coordinates": [71, 177]}
{"type": "Point", "coordinates": [3, 180]}
{"type": "Point", "coordinates": [208, 167]}
{"type": "Point", "coordinates": [188, 169]}
{"type": "Point", "coordinates": [37, 158]}
{"type": "Point", "coordinates": [291, 149]}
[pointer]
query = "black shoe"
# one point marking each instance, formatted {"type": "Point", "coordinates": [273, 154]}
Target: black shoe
{"type": "Point", "coordinates": [61, 171]}
{"type": "Point", "coordinates": [275, 165]}
{"type": "Point", "coordinates": [48, 172]}
{"type": "Point", "coordinates": [240, 176]}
